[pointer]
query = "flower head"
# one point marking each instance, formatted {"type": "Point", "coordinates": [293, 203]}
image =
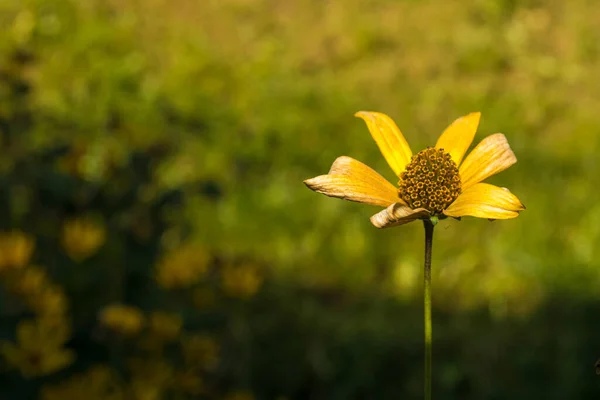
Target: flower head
{"type": "Point", "coordinates": [82, 237]}
{"type": "Point", "coordinates": [242, 280]}
{"type": "Point", "coordinates": [123, 319]}
{"type": "Point", "coordinates": [239, 395]}
{"type": "Point", "coordinates": [97, 383]}
{"type": "Point", "coordinates": [16, 249]}
{"type": "Point", "coordinates": [435, 182]}
{"type": "Point", "coordinates": [164, 325]}
{"type": "Point", "coordinates": [200, 350]}
{"type": "Point", "coordinates": [149, 377]}
{"type": "Point", "coordinates": [182, 267]}
{"type": "Point", "coordinates": [51, 301]}
{"type": "Point", "coordinates": [39, 350]}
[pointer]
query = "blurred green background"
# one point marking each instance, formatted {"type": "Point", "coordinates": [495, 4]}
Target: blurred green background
{"type": "Point", "coordinates": [157, 241]}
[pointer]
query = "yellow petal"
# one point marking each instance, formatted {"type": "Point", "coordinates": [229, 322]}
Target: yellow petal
{"type": "Point", "coordinates": [491, 156]}
{"type": "Point", "coordinates": [352, 180]}
{"type": "Point", "coordinates": [483, 200]}
{"type": "Point", "coordinates": [359, 171]}
{"type": "Point", "coordinates": [397, 214]}
{"type": "Point", "coordinates": [457, 138]}
{"type": "Point", "coordinates": [388, 137]}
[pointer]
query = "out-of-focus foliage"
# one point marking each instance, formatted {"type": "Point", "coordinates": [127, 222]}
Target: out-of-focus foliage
{"type": "Point", "coordinates": [156, 240]}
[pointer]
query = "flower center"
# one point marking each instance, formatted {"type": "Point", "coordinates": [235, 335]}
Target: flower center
{"type": "Point", "coordinates": [430, 181]}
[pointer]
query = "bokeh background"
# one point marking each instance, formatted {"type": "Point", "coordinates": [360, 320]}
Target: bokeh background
{"type": "Point", "coordinates": [157, 241]}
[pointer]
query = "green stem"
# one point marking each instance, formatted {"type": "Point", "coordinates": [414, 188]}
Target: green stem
{"type": "Point", "coordinates": [427, 278]}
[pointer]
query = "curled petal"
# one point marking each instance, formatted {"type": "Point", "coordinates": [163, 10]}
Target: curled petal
{"type": "Point", "coordinates": [483, 200]}
{"type": "Point", "coordinates": [397, 214]}
{"type": "Point", "coordinates": [359, 171]}
{"type": "Point", "coordinates": [491, 156]}
{"type": "Point", "coordinates": [457, 138]}
{"type": "Point", "coordinates": [389, 139]}
{"type": "Point", "coordinates": [352, 180]}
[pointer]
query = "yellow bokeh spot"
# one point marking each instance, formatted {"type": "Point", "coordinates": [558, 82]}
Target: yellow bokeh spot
{"type": "Point", "coordinates": [149, 378]}
{"type": "Point", "coordinates": [98, 383]}
{"type": "Point", "coordinates": [39, 349]}
{"type": "Point", "coordinates": [164, 325]}
{"type": "Point", "coordinates": [50, 301]}
{"type": "Point", "coordinates": [182, 267]}
{"type": "Point", "coordinates": [125, 320]}
{"type": "Point", "coordinates": [142, 390]}
{"type": "Point", "coordinates": [240, 395]}
{"type": "Point", "coordinates": [242, 280]}
{"type": "Point", "coordinates": [16, 249]}
{"type": "Point", "coordinates": [82, 237]}
{"type": "Point", "coordinates": [35, 289]}
{"type": "Point", "coordinates": [200, 351]}
{"type": "Point", "coordinates": [23, 26]}
{"type": "Point", "coordinates": [29, 282]}
{"type": "Point", "coordinates": [188, 382]}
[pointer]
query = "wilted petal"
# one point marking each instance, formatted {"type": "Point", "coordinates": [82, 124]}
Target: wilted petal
{"type": "Point", "coordinates": [483, 200]}
{"type": "Point", "coordinates": [457, 138]}
{"type": "Point", "coordinates": [397, 214]}
{"type": "Point", "coordinates": [491, 156]}
{"type": "Point", "coordinates": [352, 180]}
{"type": "Point", "coordinates": [388, 137]}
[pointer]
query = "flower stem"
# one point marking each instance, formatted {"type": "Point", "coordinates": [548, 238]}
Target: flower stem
{"type": "Point", "coordinates": [427, 312]}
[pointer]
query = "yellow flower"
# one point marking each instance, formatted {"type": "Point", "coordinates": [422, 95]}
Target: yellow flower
{"type": "Point", "coordinates": [149, 378]}
{"type": "Point", "coordinates": [40, 348]}
{"type": "Point", "coordinates": [182, 267]}
{"type": "Point", "coordinates": [188, 382]}
{"type": "Point", "coordinates": [142, 390]}
{"type": "Point", "coordinates": [16, 249]}
{"type": "Point", "coordinates": [435, 182]}
{"type": "Point", "coordinates": [200, 351]}
{"type": "Point", "coordinates": [82, 237]}
{"type": "Point", "coordinates": [123, 319]}
{"type": "Point", "coordinates": [30, 282]}
{"type": "Point", "coordinates": [97, 383]}
{"type": "Point", "coordinates": [33, 287]}
{"type": "Point", "coordinates": [51, 301]}
{"type": "Point", "coordinates": [164, 325]}
{"type": "Point", "coordinates": [240, 395]}
{"type": "Point", "coordinates": [241, 280]}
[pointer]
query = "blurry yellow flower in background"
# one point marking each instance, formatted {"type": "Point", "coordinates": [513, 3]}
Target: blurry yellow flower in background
{"type": "Point", "coordinates": [125, 320]}
{"type": "Point", "coordinates": [33, 286]}
{"type": "Point", "coordinates": [241, 280]}
{"type": "Point", "coordinates": [182, 267]}
{"type": "Point", "coordinates": [16, 249]}
{"type": "Point", "coordinates": [239, 395]}
{"type": "Point", "coordinates": [165, 325]}
{"type": "Point", "coordinates": [82, 237]}
{"type": "Point", "coordinates": [50, 301]}
{"type": "Point", "coordinates": [39, 350]}
{"type": "Point", "coordinates": [189, 382]}
{"type": "Point", "coordinates": [200, 351]}
{"type": "Point", "coordinates": [163, 328]}
{"type": "Point", "coordinates": [143, 390]}
{"type": "Point", "coordinates": [29, 282]}
{"type": "Point", "coordinates": [435, 182]}
{"type": "Point", "coordinates": [149, 378]}
{"type": "Point", "coordinates": [98, 383]}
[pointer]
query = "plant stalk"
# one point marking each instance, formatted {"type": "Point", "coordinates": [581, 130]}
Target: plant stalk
{"type": "Point", "coordinates": [427, 303]}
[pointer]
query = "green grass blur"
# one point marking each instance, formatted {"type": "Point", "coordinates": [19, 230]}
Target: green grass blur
{"type": "Point", "coordinates": [181, 121]}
